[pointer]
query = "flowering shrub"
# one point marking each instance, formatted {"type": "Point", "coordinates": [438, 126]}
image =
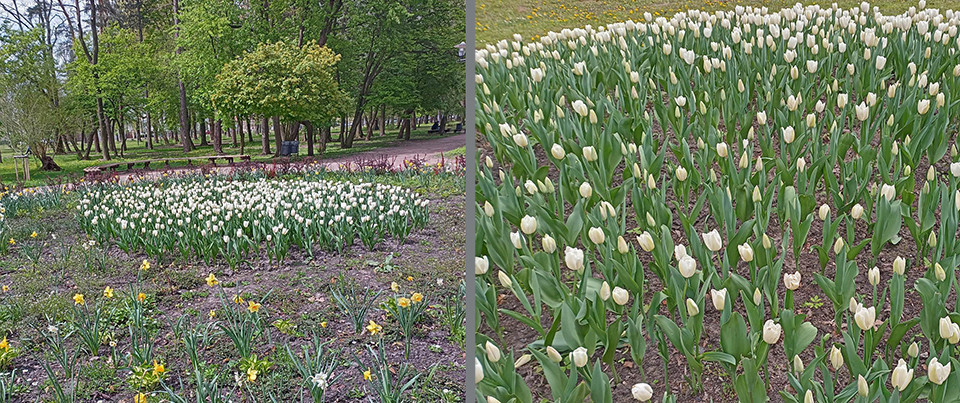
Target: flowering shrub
{"type": "Point", "coordinates": [210, 217]}
{"type": "Point", "coordinates": [650, 180]}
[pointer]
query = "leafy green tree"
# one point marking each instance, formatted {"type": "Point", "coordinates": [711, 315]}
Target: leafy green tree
{"type": "Point", "coordinates": [280, 79]}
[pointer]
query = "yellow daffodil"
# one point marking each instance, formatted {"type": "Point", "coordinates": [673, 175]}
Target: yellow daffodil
{"type": "Point", "coordinates": [78, 299]}
{"type": "Point", "coordinates": [367, 376]}
{"type": "Point", "coordinates": [253, 307]}
{"type": "Point", "coordinates": [141, 297]}
{"type": "Point", "coordinates": [4, 345]}
{"type": "Point", "coordinates": [409, 278]}
{"type": "Point", "coordinates": [237, 299]}
{"type": "Point", "coordinates": [323, 324]}
{"type": "Point", "coordinates": [403, 302]}
{"type": "Point", "coordinates": [145, 265]}
{"type": "Point", "coordinates": [12, 242]}
{"type": "Point", "coordinates": [374, 328]}
{"type": "Point", "coordinates": [158, 368]}
{"type": "Point", "coordinates": [212, 314]}
{"type": "Point", "coordinates": [108, 292]}
{"type": "Point", "coordinates": [212, 280]}
{"type": "Point", "coordinates": [5, 288]}
{"type": "Point", "coordinates": [34, 234]}
{"type": "Point", "coordinates": [417, 297]}
{"type": "Point", "coordinates": [395, 287]}
{"type": "Point", "coordinates": [252, 374]}
{"type": "Point", "coordinates": [140, 398]}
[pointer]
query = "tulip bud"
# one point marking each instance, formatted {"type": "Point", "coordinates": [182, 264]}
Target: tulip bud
{"type": "Point", "coordinates": [579, 357]}
{"type": "Point", "coordinates": [789, 134]}
{"type": "Point", "coordinates": [488, 209]}
{"type": "Point", "coordinates": [522, 360]}
{"type": "Point", "coordinates": [801, 164]}
{"type": "Point", "coordinates": [692, 308]}
{"type": "Point", "coordinates": [874, 276]}
{"type": "Point", "coordinates": [722, 150]}
{"type": "Point", "coordinates": [553, 354]}
{"type": "Point", "coordinates": [596, 235]}
{"type": "Point", "coordinates": [836, 358]}
{"type": "Point", "coordinates": [681, 173]}
{"type": "Point", "coordinates": [857, 211]}
{"type": "Point", "coordinates": [719, 298]}
{"type": "Point", "coordinates": [767, 243]}
{"type": "Point", "coordinates": [797, 364]}
{"type": "Point", "coordinates": [620, 296]}
{"type": "Point", "coordinates": [516, 239]}
{"type": "Point", "coordinates": [585, 190]}
{"type": "Point", "coordinates": [477, 370]}
{"type": "Point", "coordinates": [808, 397]}
{"type": "Point", "coordinates": [824, 211]}
{"type": "Point", "coordinates": [757, 296]}
{"type": "Point", "coordinates": [493, 353]}
{"type": "Point", "coordinates": [589, 153]}
{"type": "Point", "coordinates": [899, 265]}
{"type": "Point", "coordinates": [938, 271]}
{"type": "Point", "coordinates": [622, 245]}
{"type": "Point", "coordinates": [913, 350]}
{"type": "Point", "coordinates": [862, 388]}
{"type": "Point", "coordinates": [746, 252]}
{"type": "Point", "coordinates": [558, 151]}
{"type": "Point", "coordinates": [757, 197]}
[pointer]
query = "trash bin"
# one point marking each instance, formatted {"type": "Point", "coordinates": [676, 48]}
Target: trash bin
{"type": "Point", "coordinates": [290, 148]}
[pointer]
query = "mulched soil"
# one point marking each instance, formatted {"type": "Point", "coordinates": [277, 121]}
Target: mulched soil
{"type": "Point", "coordinates": [433, 257]}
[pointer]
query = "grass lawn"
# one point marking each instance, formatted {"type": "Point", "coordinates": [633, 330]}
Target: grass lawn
{"type": "Point", "coordinates": [500, 19]}
{"type": "Point", "coordinates": [73, 168]}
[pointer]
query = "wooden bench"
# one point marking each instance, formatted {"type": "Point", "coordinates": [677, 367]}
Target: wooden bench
{"type": "Point", "coordinates": [230, 159]}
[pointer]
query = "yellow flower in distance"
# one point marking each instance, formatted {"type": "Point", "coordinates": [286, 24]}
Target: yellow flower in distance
{"type": "Point", "coordinates": [403, 302]}
{"type": "Point", "coordinates": [252, 374]}
{"type": "Point", "coordinates": [158, 368]}
{"type": "Point", "coordinates": [237, 299]}
{"type": "Point", "coordinates": [409, 278]}
{"type": "Point", "coordinates": [12, 242]}
{"type": "Point", "coordinates": [108, 292]}
{"type": "Point", "coordinates": [394, 286]}
{"type": "Point", "coordinates": [374, 328]}
{"type": "Point", "coordinates": [141, 297]}
{"type": "Point", "coordinates": [212, 313]}
{"type": "Point", "coordinates": [212, 280]}
{"type": "Point", "coordinates": [323, 324]}
{"type": "Point", "coordinates": [417, 297]}
{"type": "Point", "coordinates": [140, 398]}
{"type": "Point", "coordinates": [145, 265]}
{"type": "Point", "coordinates": [34, 234]}
{"type": "Point", "coordinates": [367, 376]}
{"type": "Point", "coordinates": [78, 299]}
{"type": "Point", "coordinates": [253, 307]}
{"type": "Point", "coordinates": [5, 288]}
{"type": "Point", "coordinates": [4, 345]}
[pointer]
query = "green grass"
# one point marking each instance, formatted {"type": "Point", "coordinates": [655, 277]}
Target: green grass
{"type": "Point", "coordinates": [73, 168]}
{"type": "Point", "coordinates": [500, 19]}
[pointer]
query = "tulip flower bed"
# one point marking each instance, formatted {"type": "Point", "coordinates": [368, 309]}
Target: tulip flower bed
{"type": "Point", "coordinates": [741, 205]}
{"type": "Point", "coordinates": [209, 218]}
{"type": "Point", "coordinates": [100, 317]}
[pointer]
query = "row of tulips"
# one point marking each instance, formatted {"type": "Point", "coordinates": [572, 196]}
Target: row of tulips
{"type": "Point", "coordinates": [211, 217]}
{"type": "Point", "coordinates": [640, 169]}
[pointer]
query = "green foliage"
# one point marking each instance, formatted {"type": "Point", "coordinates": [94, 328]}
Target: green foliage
{"type": "Point", "coordinates": [281, 79]}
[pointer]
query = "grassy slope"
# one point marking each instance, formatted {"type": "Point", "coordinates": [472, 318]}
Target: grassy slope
{"type": "Point", "coordinates": [500, 19]}
{"type": "Point", "coordinates": [72, 167]}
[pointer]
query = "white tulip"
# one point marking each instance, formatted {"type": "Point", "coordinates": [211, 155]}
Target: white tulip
{"type": "Point", "coordinates": [746, 252]}
{"type": "Point", "coordinates": [874, 276]}
{"type": "Point", "coordinates": [865, 317]}
{"type": "Point", "coordinates": [857, 211]}
{"type": "Point", "coordinates": [579, 357]}
{"type": "Point", "coordinates": [642, 392]}
{"type": "Point", "coordinates": [620, 296]}
{"type": "Point", "coordinates": [549, 244]}
{"type": "Point", "coordinates": [553, 354]}
{"type": "Point", "coordinates": [687, 266]}
{"type": "Point", "coordinates": [558, 151]}
{"type": "Point", "coordinates": [481, 265]}
{"type": "Point", "coordinates": [493, 352]}
{"type": "Point", "coordinates": [899, 265]}
{"type": "Point", "coordinates": [646, 241]}
{"type": "Point", "coordinates": [863, 389]}
{"type": "Point", "coordinates": [722, 150]}
{"type": "Point", "coordinates": [586, 191]}
{"type": "Point", "coordinates": [712, 240]}
{"type": "Point", "coordinates": [901, 376]}
{"type": "Point", "coordinates": [771, 332]}
{"type": "Point", "coordinates": [692, 308]}
{"type": "Point", "coordinates": [836, 358]}
{"type": "Point", "coordinates": [528, 225]}
{"type": "Point", "coordinates": [573, 258]}
{"type": "Point", "coordinates": [589, 153]}
{"type": "Point", "coordinates": [791, 281]}
{"type": "Point", "coordinates": [789, 134]}
{"type": "Point", "coordinates": [719, 298]}
{"type": "Point", "coordinates": [596, 235]}
{"type": "Point", "coordinates": [937, 372]}
{"type": "Point", "coordinates": [477, 370]}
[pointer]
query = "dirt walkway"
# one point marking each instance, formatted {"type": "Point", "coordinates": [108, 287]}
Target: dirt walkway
{"type": "Point", "coordinates": [428, 152]}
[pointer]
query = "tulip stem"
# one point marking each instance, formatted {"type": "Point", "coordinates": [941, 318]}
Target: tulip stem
{"type": "Point", "coordinates": [788, 301]}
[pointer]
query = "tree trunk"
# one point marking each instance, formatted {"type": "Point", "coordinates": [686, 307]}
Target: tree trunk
{"type": "Point", "coordinates": [149, 132]}
{"type": "Point", "coordinates": [265, 135]}
{"type": "Point", "coordinates": [240, 132]}
{"type": "Point", "coordinates": [217, 135]}
{"type": "Point", "coordinates": [324, 138]}
{"type": "Point", "coordinates": [309, 138]}
{"type": "Point", "coordinates": [203, 131]}
{"type": "Point", "coordinates": [233, 133]}
{"type": "Point", "coordinates": [104, 144]}
{"type": "Point", "coordinates": [277, 135]}
{"type": "Point", "coordinates": [383, 120]}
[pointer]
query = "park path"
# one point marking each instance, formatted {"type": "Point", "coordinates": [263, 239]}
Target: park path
{"type": "Point", "coordinates": [428, 152]}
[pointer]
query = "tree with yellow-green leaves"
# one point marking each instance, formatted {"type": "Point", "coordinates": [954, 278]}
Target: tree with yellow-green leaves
{"type": "Point", "coordinates": [294, 84]}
